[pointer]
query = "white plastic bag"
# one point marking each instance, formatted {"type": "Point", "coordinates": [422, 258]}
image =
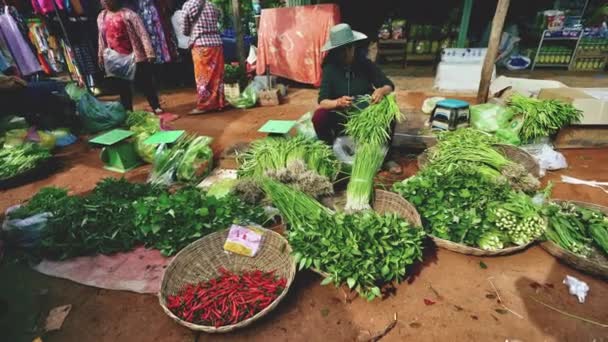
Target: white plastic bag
{"type": "Point", "coordinates": [119, 65]}
{"type": "Point", "coordinates": [546, 156]}
{"type": "Point", "coordinates": [305, 127]}
{"type": "Point", "coordinates": [25, 232]}
{"type": "Point", "coordinates": [344, 149]}
{"type": "Point", "coordinates": [577, 288]}
{"type": "Point", "coordinates": [429, 104]}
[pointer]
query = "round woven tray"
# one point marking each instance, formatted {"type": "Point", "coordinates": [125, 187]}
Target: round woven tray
{"type": "Point", "coordinates": [598, 267]}
{"type": "Point", "coordinates": [513, 153]}
{"type": "Point", "coordinates": [201, 260]}
{"type": "Point", "coordinates": [468, 250]}
{"type": "Point", "coordinates": [390, 202]}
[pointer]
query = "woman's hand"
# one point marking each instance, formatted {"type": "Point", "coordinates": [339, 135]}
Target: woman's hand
{"type": "Point", "coordinates": [344, 102]}
{"type": "Point", "coordinates": [380, 93]}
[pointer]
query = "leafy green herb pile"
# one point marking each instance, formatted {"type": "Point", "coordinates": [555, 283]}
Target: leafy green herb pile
{"type": "Point", "coordinates": [369, 126]}
{"type": "Point", "coordinates": [234, 74]}
{"type": "Point", "coordinates": [475, 148]}
{"type": "Point", "coordinates": [118, 215]}
{"type": "Point", "coordinates": [170, 222]}
{"type": "Point", "coordinates": [577, 229]}
{"type": "Point", "coordinates": [273, 154]}
{"type": "Point", "coordinates": [363, 250]}
{"type": "Point", "coordinates": [542, 118]}
{"type": "Point", "coordinates": [188, 160]}
{"type": "Point", "coordinates": [461, 206]}
{"type": "Point", "coordinates": [19, 159]}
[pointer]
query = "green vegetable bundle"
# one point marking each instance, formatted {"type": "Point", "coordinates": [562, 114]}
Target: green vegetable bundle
{"type": "Point", "coordinates": [453, 204]}
{"type": "Point", "coordinates": [475, 148]}
{"type": "Point", "coordinates": [577, 229]}
{"type": "Point", "coordinates": [542, 118]}
{"type": "Point", "coordinates": [19, 159]}
{"type": "Point", "coordinates": [187, 161]}
{"type": "Point", "coordinates": [519, 218]}
{"type": "Point", "coordinates": [363, 250]}
{"type": "Point", "coordinates": [118, 215]}
{"type": "Point", "coordinates": [144, 124]}
{"type": "Point", "coordinates": [276, 153]}
{"type": "Point", "coordinates": [372, 124]}
{"type": "Point", "coordinates": [368, 160]}
{"type": "Point", "coordinates": [170, 222]}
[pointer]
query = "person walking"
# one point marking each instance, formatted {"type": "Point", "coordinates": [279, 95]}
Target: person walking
{"type": "Point", "coordinates": [122, 30]}
{"type": "Point", "coordinates": [200, 23]}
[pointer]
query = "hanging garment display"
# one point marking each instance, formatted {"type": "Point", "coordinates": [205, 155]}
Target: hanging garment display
{"type": "Point", "coordinates": [46, 46]}
{"type": "Point", "coordinates": [6, 54]}
{"type": "Point", "coordinates": [46, 6]}
{"type": "Point", "coordinates": [25, 59]}
{"type": "Point", "coordinates": [149, 15]}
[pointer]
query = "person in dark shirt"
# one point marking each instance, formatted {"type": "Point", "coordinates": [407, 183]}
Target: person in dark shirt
{"type": "Point", "coordinates": [347, 73]}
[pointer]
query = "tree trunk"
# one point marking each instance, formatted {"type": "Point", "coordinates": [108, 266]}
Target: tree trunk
{"type": "Point", "coordinates": [238, 28]}
{"type": "Point", "coordinates": [488, 65]}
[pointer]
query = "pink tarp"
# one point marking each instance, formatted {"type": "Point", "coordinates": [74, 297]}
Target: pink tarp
{"type": "Point", "coordinates": [140, 270]}
{"type": "Point", "coordinates": [290, 41]}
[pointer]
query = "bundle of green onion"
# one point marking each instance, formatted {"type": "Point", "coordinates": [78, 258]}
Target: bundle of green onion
{"type": "Point", "coordinates": [372, 124]}
{"type": "Point", "coordinates": [542, 118]}
{"type": "Point", "coordinates": [368, 160]}
{"type": "Point", "coordinates": [273, 154]}
{"type": "Point", "coordinates": [19, 159]}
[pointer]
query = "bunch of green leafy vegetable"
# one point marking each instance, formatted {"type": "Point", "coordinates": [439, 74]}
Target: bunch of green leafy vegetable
{"type": "Point", "coordinates": [475, 148]}
{"type": "Point", "coordinates": [144, 125]}
{"type": "Point", "coordinates": [101, 222]}
{"type": "Point", "coordinates": [363, 250]}
{"type": "Point", "coordinates": [372, 123]}
{"type": "Point", "coordinates": [542, 118]}
{"type": "Point", "coordinates": [234, 74]}
{"type": "Point", "coordinates": [276, 153]}
{"type": "Point", "coordinates": [577, 229]}
{"type": "Point", "coordinates": [453, 204]}
{"type": "Point", "coordinates": [187, 161]}
{"type": "Point", "coordinates": [45, 201]}
{"type": "Point", "coordinates": [19, 159]}
{"type": "Point", "coordinates": [169, 222]}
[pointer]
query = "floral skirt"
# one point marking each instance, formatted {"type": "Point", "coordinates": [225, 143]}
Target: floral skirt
{"type": "Point", "coordinates": [209, 76]}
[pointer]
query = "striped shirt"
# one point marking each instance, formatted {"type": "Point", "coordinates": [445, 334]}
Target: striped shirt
{"type": "Point", "coordinates": [204, 30]}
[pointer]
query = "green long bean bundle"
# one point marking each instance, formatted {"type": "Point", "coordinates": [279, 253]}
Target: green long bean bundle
{"type": "Point", "coordinates": [542, 118]}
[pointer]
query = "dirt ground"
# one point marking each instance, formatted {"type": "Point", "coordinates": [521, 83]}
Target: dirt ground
{"type": "Point", "coordinates": [449, 297]}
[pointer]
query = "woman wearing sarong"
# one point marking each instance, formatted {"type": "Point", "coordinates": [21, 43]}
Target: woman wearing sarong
{"type": "Point", "coordinates": [201, 24]}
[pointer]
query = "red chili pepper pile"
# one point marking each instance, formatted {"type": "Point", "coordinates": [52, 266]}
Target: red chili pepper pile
{"type": "Point", "coordinates": [228, 299]}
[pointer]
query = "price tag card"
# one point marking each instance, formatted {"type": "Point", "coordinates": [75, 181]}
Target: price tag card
{"type": "Point", "coordinates": [244, 240]}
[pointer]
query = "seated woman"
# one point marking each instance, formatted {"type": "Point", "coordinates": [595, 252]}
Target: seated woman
{"type": "Point", "coordinates": [347, 73]}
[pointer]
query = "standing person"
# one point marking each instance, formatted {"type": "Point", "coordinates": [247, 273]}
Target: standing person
{"type": "Point", "coordinates": [123, 31]}
{"type": "Point", "coordinates": [200, 18]}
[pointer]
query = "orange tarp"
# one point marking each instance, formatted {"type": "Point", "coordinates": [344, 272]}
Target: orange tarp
{"type": "Point", "coordinates": [290, 41]}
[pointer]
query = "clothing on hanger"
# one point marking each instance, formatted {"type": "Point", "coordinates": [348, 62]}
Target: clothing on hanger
{"type": "Point", "coordinates": [23, 55]}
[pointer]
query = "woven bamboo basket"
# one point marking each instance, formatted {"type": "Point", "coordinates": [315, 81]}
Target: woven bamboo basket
{"type": "Point", "coordinates": [468, 250]}
{"type": "Point", "coordinates": [390, 202]}
{"type": "Point", "coordinates": [201, 260]}
{"type": "Point", "coordinates": [513, 153]}
{"type": "Point", "coordinates": [597, 267]}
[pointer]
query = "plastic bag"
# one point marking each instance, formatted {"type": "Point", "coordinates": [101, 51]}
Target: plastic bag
{"type": "Point", "coordinates": [119, 65]}
{"type": "Point", "coordinates": [144, 151]}
{"type": "Point", "coordinates": [429, 104]}
{"type": "Point", "coordinates": [344, 149]}
{"type": "Point", "coordinates": [15, 137]}
{"type": "Point", "coordinates": [97, 116]}
{"type": "Point", "coordinates": [546, 157]}
{"type": "Point", "coordinates": [304, 126]}
{"type": "Point", "coordinates": [25, 232]}
{"type": "Point", "coordinates": [489, 117]}
{"type": "Point", "coordinates": [197, 160]}
{"type": "Point", "coordinates": [248, 98]}
{"type": "Point", "coordinates": [74, 91]}
{"type": "Point", "coordinates": [577, 288]}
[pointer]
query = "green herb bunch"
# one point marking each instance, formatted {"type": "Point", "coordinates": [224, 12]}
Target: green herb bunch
{"type": "Point", "coordinates": [19, 159]}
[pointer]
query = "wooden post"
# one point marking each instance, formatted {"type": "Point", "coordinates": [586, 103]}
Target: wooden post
{"type": "Point", "coordinates": [238, 29]}
{"type": "Point", "coordinates": [488, 65]}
